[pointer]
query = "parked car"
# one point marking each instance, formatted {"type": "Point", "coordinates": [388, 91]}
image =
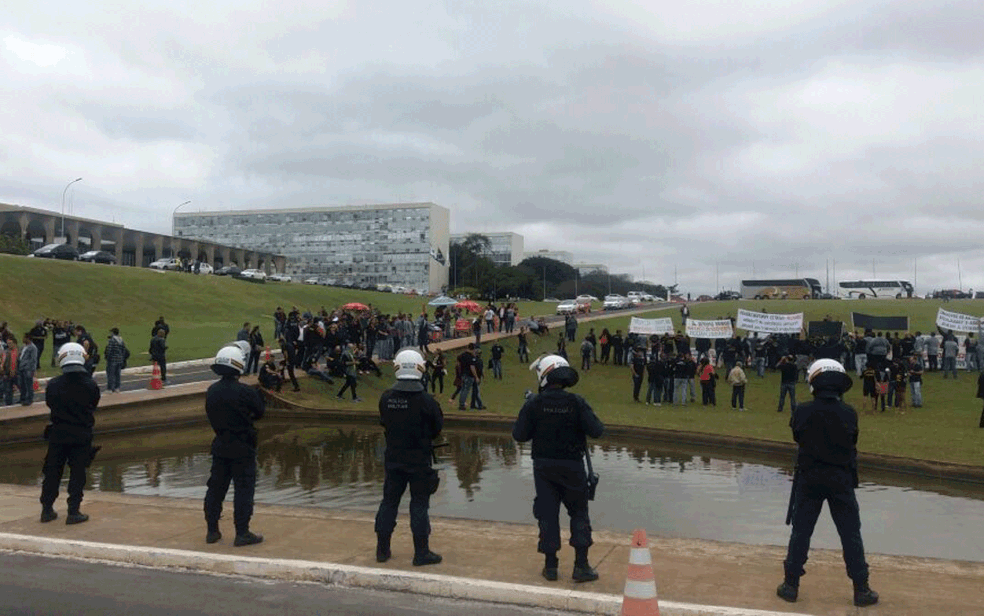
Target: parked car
{"type": "Point", "coordinates": [205, 268]}
{"type": "Point", "coordinates": [253, 274]}
{"type": "Point", "coordinates": [311, 280]}
{"type": "Point", "coordinates": [586, 298]}
{"type": "Point", "coordinates": [228, 270]}
{"type": "Point", "coordinates": [98, 256]}
{"type": "Point", "coordinates": [728, 295]}
{"type": "Point", "coordinates": [66, 252]}
{"type": "Point", "coordinates": [169, 263]}
{"type": "Point", "coordinates": [279, 278]}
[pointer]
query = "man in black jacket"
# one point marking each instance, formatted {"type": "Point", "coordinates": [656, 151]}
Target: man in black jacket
{"type": "Point", "coordinates": [557, 422]}
{"type": "Point", "coordinates": [412, 419]}
{"type": "Point", "coordinates": [826, 430]}
{"type": "Point", "coordinates": [232, 407]}
{"type": "Point", "coordinates": [72, 398]}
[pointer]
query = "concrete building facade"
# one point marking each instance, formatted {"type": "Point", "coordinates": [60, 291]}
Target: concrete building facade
{"type": "Point", "coordinates": [130, 246]}
{"type": "Point", "coordinates": [506, 247]}
{"type": "Point", "coordinates": [403, 244]}
{"type": "Point", "coordinates": [563, 256]}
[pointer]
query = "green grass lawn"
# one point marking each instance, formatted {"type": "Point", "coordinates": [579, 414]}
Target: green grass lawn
{"type": "Point", "coordinates": [206, 311]}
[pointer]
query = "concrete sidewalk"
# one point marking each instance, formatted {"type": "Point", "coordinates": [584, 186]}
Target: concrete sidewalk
{"type": "Point", "coordinates": [488, 558]}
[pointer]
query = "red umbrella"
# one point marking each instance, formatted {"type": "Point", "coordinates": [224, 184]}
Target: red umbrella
{"type": "Point", "coordinates": [468, 305]}
{"type": "Point", "coordinates": [355, 306]}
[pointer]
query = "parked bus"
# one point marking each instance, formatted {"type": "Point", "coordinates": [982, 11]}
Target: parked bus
{"type": "Point", "coordinates": [781, 288]}
{"type": "Point", "coordinates": [875, 289]}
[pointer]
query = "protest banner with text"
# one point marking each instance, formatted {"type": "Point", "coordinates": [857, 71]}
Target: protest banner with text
{"type": "Point", "coordinates": [769, 323]}
{"type": "Point", "coordinates": [957, 322]}
{"type": "Point", "coordinates": [709, 329]}
{"type": "Point", "coordinates": [650, 326]}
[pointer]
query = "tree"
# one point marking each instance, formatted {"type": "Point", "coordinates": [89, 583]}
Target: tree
{"type": "Point", "coordinates": [466, 259]}
{"type": "Point", "coordinates": [548, 272]}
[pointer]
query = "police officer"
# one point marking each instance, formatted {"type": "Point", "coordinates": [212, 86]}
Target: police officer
{"type": "Point", "coordinates": [826, 430]}
{"type": "Point", "coordinates": [72, 398]}
{"type": "Point", "coordinates": [412, 419]}
{"type": "Point", "coordinates": [232, 407]}
{"type": "Point", "coordinates": [557, 422]}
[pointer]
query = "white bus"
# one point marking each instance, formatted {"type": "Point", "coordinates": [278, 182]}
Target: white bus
{"type": "Point", "coordinates": [875, 289]}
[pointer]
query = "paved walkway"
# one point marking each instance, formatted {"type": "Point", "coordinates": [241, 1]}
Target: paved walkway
{"type": "Point", "coordinates": [692, 571]}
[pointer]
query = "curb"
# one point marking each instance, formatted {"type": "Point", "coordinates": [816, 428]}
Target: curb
{"type": "Point", "coordinates": [354, 577]}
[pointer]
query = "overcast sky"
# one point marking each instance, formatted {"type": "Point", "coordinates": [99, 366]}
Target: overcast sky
{"type": "Point", "coordinates": [708, 140]}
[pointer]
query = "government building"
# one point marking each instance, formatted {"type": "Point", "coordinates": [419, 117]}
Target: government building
{"type": "Point", "coordinates": [505, 248]}
{"type": "Point", "coordinates": [397, 244]}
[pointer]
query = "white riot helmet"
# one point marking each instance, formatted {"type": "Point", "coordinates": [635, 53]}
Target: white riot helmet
{"type": "Point", "coordinates": [546, 366]}
{"type": "Point", "coordinates": [828, 375]}
{"type": "Point", "coordinates": [409, 365]}
{"type": "Point", "coordinates": [71, 357]}
{"type": "Point", "coordinates": [410, 369]}
{"type": "Point", "coordinates": [242, 345]}
{"type": "Point", "coordinates": [229, 361]}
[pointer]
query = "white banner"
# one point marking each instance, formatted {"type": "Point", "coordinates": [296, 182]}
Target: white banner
{"type": "Point", "coordinates": [769, 323]}
{"type": "Point", "coordinates": [709, 329]}
{"type": "Point", "coordinates": [957, 322]}
{"type": "Point", "coordinates": [651, 326]}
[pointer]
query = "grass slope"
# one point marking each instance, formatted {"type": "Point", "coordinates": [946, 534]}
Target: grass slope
{"type": "Point", "coordinates": [207, 311]}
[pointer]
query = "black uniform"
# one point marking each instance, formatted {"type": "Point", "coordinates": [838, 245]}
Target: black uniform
{"type": "Point", "coordinates": [412, 420]}
{"type": "Point", "coordinates": [826, 470]}
{"type": "Point", "coordinates": [72, 398]}
{"type": "Point", "coordinates": [232, 407]}
{"type": "Point", "coordinates": [557, 421]}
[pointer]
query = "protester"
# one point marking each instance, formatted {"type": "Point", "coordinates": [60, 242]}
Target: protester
{"type": "Point", "coordinates": [256, 346]}
{"type": "Point", "coordinates": [8, 367]}
{"type": "Point", "coordinates": [789, 374]}
{"type": "Point", "coordinates": [737, 380]}
{"type": "Point", "coordinates": [27, 365]}
{"type": "Point", "coordinates": [495, 362]}
{"type": "Point", "coordinates": [915, 382]}
{"type": "Point", "coordinates": [980, 394]}
{"type": "Point", "coordinates": [351, 373]}
{"type": "Point", "coordinates": [708, 382]}
{"type": "Point", "coordinates": [116, 356]}
{"type": "Point", "coordinates": [158, 353]}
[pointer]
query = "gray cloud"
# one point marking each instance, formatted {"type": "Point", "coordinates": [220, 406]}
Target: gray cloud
{"type": "Point", "coordinates": [706, 139]}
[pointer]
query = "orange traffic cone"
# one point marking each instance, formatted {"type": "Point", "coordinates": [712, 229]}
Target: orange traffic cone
{"type": "Point", "coordinates": [268, 356]}
{"type": "Point", "coordinates": [639, 598]}
{"type": "Point", "coordinates": [155, 378]}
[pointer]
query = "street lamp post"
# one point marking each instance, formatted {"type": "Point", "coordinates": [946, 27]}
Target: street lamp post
{"type": "Point", "coordinates": [63, 204]}
{"type": "Point", "coordinates": [175, 212]}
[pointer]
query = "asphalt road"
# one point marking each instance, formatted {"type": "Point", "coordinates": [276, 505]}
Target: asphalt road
{"type": "Point", "coordinates": [133, 382]}
{"type": "Point", "coordinates": [36, 585]}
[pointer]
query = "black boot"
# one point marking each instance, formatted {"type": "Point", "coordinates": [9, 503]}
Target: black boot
{"type": "Point", "coordinates": [789, 589]}
{"type": "Point", "coordinates": [550, 567]}
{"type": "Point", "coordinates": [583, 572]}
{"type": "Point", "coordinates": [383, 552]}
{"type": "Point", "coordinates": [421, 552]}
{"type": "Point", "coordinates": [247, 538]}
{"type": "Point", "coordinates": [863, 595]}
{"type": "Point", "coordinates": [213, 535]}
{"type": "Point", "coordinates": [76, 517]}
{"type": "Point", "coordinates": [48, 514]}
